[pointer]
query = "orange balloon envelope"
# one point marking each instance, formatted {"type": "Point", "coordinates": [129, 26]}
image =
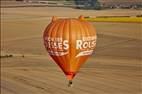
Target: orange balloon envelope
{"type": "Point", "coordinates": [70, 42]}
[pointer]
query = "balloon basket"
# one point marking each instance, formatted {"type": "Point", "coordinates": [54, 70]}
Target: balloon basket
{"type": "Point", "coordinates": [70, 84]}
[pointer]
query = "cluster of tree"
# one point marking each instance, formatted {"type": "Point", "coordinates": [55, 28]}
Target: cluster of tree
{"type": "Point", "coordinates": [96, 4]}
{"type": "Point", "coordinates": [88, 4]}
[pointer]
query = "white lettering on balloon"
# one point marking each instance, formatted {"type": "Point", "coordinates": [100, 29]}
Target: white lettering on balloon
{"type": "Point", "coordinates": [56, 46]}
{"type": "Point", "coordinates": [56, 43]}
{"type": "Point", "coordinates": [86, 45]}
{"type": "Point", "coordinates": [59, 47]}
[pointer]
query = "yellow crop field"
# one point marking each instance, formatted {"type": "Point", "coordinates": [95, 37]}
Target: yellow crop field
{"type": "Point", "coordinates": [116, 19]}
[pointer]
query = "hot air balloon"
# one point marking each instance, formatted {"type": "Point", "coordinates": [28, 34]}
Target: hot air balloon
{"type": "Point", "coordinates": [69, 42]}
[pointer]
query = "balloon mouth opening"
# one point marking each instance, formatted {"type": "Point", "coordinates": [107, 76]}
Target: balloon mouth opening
{"type": "Point", "coordinates": [70, 75]}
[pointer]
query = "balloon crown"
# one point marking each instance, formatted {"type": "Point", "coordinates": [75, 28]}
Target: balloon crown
{"type": "Point", "coordinates": [54, 18]}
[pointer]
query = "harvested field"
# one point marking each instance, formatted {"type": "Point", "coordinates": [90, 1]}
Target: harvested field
{"type": "Point", "coordinates": [115, 68]}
